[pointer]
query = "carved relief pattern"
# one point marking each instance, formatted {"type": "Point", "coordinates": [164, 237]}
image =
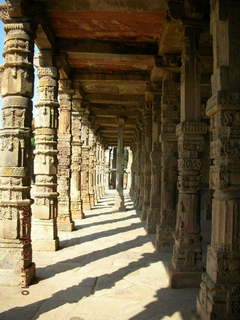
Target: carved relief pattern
{"type": "Point", "coordinates": [222, 278]}
{"type": "Point", "coordinates": [76, 201]}
{"type": "Point", "coordinates": [187, 250]}
{"type": "Point", "coordinates": [45, 160]}
{"type": "Point", "coordinates": [169, 118]}
{"type": "Point", "coordinates": [64, 158]}
{"type": "Point", "coordinates": [147, 118]}
{"type": "Point", "coordinates": [155, 157]}
{"type": "Point", "coordinates": [15, 160]}
{"type": "Point", "coordinates": [85, 160]}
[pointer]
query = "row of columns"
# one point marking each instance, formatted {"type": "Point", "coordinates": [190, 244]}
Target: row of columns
{"type": "Point", "coordinates": [68, 169]}
{"type": "Point", "coordinates": [171, 160]}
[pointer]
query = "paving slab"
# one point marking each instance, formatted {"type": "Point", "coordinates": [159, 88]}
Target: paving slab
{"type": "Point", "coordinates": [107, 269]}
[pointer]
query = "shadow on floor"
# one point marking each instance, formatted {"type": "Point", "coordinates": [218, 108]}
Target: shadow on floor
{"type": "Point", "coordinates": [167, 301]}
{"type": "Point", "coordinates": [98, 235]}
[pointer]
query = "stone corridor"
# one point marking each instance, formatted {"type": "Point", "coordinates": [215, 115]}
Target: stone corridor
{"type": "Point", "coordinates": [107, 269]}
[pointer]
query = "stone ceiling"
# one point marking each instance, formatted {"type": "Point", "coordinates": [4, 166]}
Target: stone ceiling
{"type": "Point", "coordinates": [109, 49]}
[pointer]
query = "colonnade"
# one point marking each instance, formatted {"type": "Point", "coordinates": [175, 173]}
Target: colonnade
{"type": "Point", "coordinates": [177, 150]}
{"type": "Point", "coordinates": [180, 165]}
{"type": "Point", "coordinates": [69, 156]}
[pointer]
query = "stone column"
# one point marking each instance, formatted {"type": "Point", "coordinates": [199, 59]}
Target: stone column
{"type": "Point", "coordinates": [91, 168]}
{"type": "Point", "coordinates": [120, 165]}
{"type": "Point", "coordinates": [133, 170]}
{"type": "Point", "coordinates": [147, 117]}
{"type": "Point", "coordinates": [187, 250]}
{"type": "Point", "coordinates": [64, 221]}
{"type": "Point", "coordinates": [219, 296]}
{"type": "Point", "coordinates": [129, 169]}
{"type": "Point", "coordinates": [141, 166]}
{"type": "Point", "coordinates": [137, 156]}
{"type": "Point", "coordinates": [169, 147]}
{"type": "Point", "coordinates": [97, 172]}
{"type": "Point", "coordinates": [101, 168]}
{"type": "Point", "coordinates": [16, 266]}
{"type": "Point", "coordinates": [155, 156]}
{"type": "Point", "coordinates": [85, 161]}
{"type": "Point", "coordinates": [44, 209]}
{"type": "Point", "coordinates": [76, 201]}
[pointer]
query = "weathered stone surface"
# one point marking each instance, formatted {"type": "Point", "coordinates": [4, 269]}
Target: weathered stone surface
{"type": "Point", "coordinates": [76, 159]}
{"type": "Point", "coordinates": [187, 250]}
{"type": "Point", "coordinates": [155, 157]}
{"type": "Point", "coordinates": [147, 118]}
{"type": "Point", "coordinates": [219, 296]}
{"type": "Point", "coordinates": [169, 152]}
{"type": "Point", "coordinates": [64, 220]}
{"type": "Point", "coordinates": [16, 267]}
{"type": "Point", "coordinates": [44, 209]}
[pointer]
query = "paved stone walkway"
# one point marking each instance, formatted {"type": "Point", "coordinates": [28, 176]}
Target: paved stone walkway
{"type": "Point", "coordinates": [106, 270]}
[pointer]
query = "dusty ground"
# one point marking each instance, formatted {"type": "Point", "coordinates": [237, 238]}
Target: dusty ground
{"type": "Point", "coordinates": [106, 270]}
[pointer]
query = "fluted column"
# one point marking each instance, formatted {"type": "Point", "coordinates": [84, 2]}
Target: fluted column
{"type": "Point", "coordinates": [219, 296]}
{"type": "Point", "coordinates": [168, 139]}
{"type": "Point", "coordinates": [147, 118]}
{"type": "Point", "coordinates": [187, 250]}
{"type": "Point", "coordinates": [64, 221]}
{"type": "Point", "coordinates": [76, 159]}
{"type": "Point", "coordinates": [44, 209]}
{"type": "Point", "coordinates": [120, 165]}
{"type": "Point", "coordinates": [155, 157]}
{"type": "Point", "coordinates": [16, 266]}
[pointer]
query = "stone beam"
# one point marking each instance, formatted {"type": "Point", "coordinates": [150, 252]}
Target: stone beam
{"type": "Point", "coordinates": [84, 74]}
{"type": "Point", "coordinates": [129, 99]}
{"type": "Point", "coordinates": [105, 46]}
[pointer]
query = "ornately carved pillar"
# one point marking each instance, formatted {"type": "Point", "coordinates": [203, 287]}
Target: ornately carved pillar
{"type": "Point", "coordinates": [136, 189]}
{"type": "Point", "coordinates": [141, 168]}
{"type": "Point", "coordinates": [133, 169]}
{"type": "Point", "coordinates": [16, 266]}
{"type": "Point", "coordinates": [147, 116]}
{"type": "Point", "coordinates": [64, 221]}
{"type": "Point", "coordinates": [219, 296]}
{"type": "Point", "coordinates": [85, 160]}
{"type": "Point", "coordinates": [76, 201]}
{"type": "Point", "coordinates": [168, 139]}
{"type": "Point", "coordinates": [187, 250]}
{"type": "Point", "coordinates": [91, 167]}
{"type": "Point", "coordinates": [120, 165]}
{"type": "Point", "coordinates": [155, 157]}
{"type": "Point", "coordinates": [44, 209]}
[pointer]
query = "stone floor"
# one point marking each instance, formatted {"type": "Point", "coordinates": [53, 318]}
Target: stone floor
{"type": "Point", "coordinates": [107, 269]}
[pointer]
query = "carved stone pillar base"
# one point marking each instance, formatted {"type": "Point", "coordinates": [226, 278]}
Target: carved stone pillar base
{"type": "Point", "coordinates": [66, 225]}
{"type": "Point", "coordinates": [78, 215]}
{"type": "Point", "coordinates": [178, 279]}
{"type": "Point", "coordinates": [92, 200]}
{"type": "Point", "coordinates": [44, 235]}
{"type": "Point", "coordinates": [11, 253]}
{"type": "Point", "coordinates": [86, 204]}
{"type": "Point", "coordinates": [219, 293]}
{"type": "Point", "coordinates": [145, 210]}
{"type": "Point", "coordinates": [164, 239]}
{"type": "Point", "coordinates": [119, 202]}
{"type": "Point", "coordinates": [151, 220]}
{"type": "Point", "coordinates": [78, 212]}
